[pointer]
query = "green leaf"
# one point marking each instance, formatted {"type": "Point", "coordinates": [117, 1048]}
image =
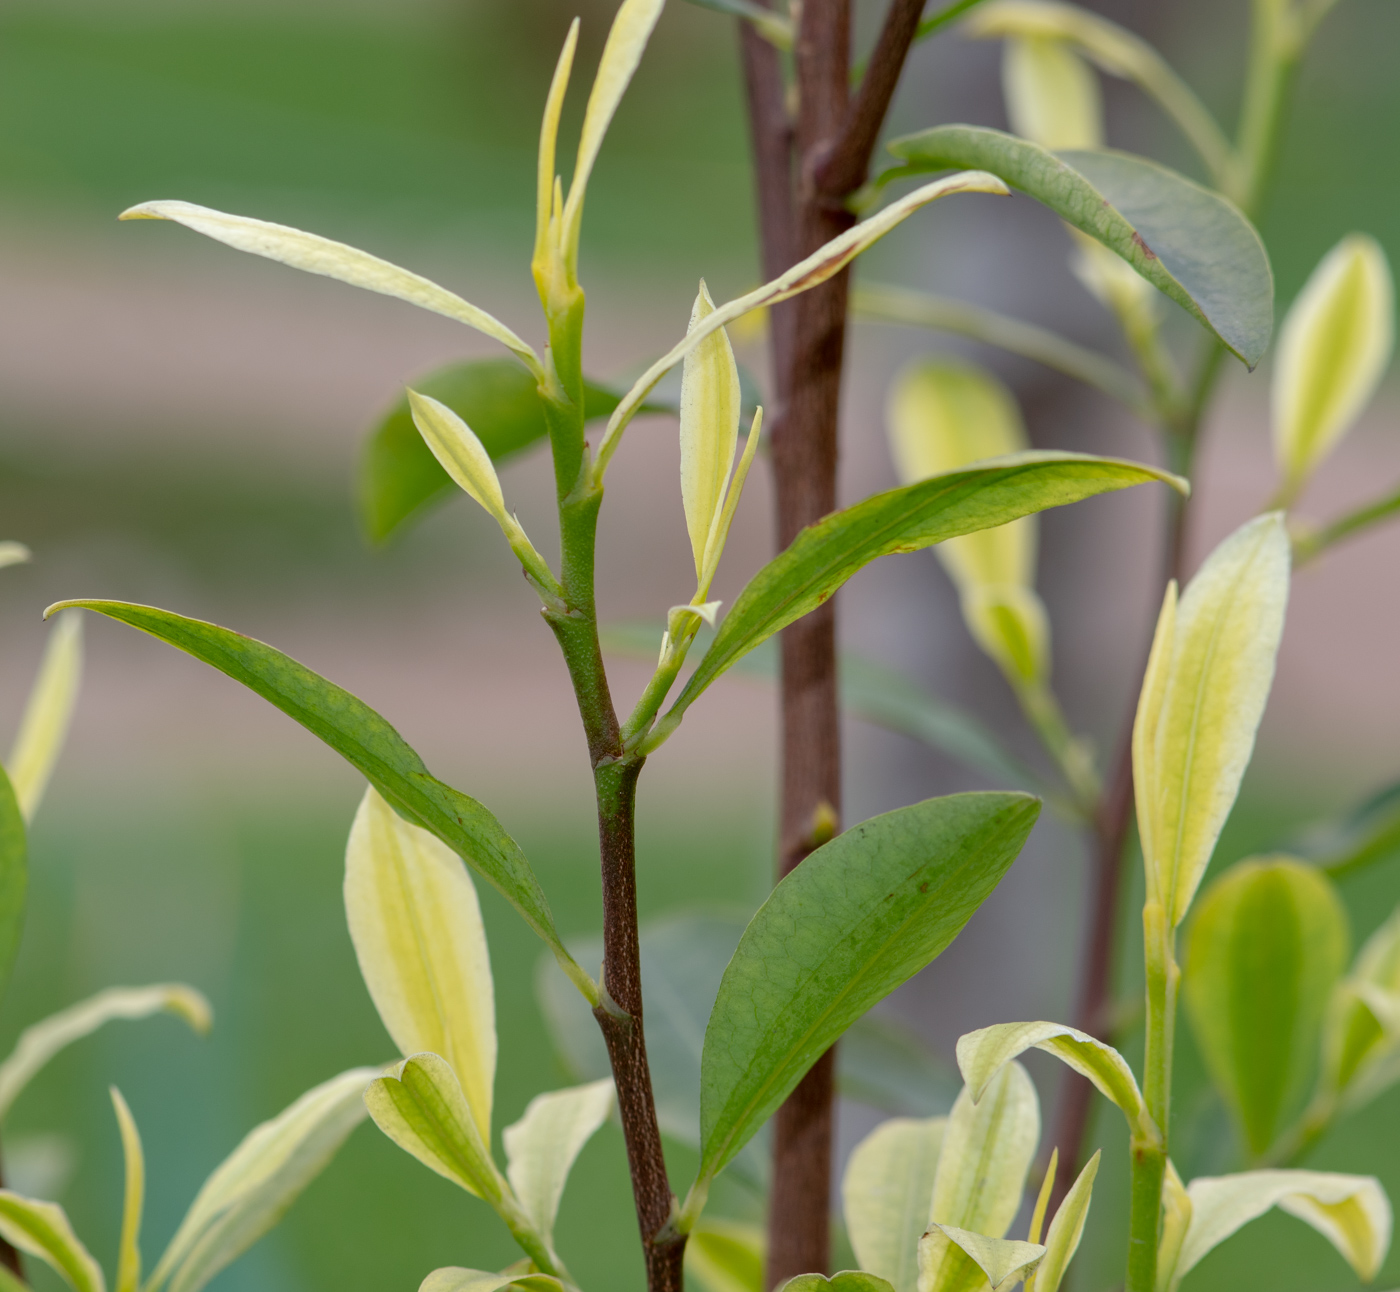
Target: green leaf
{"type": "Point", "coordinates": [129, 1246]}
{"type": "Point", "coordinates": [14, 878]}
{"type": "Point", "coordinates": [366, 741]}
{"type": "Point", "coordinates": [861, 915]}
{"type": "Point", "coordinates": [400, 479]}
{"type": "Point", "coordinates": [39, 1042]}
{"type": "Point", "coordinates": [47, 714]}
{"type": "Point", "coordinates": [41, 1229]}
{"type": "Point", "coordinates": [824, 555]}
{"type": "Point", "coordinates": [1190, 243]}
{"type": "Point", "coordinates": [455, 1279]}
{"type": "Point", "coordinates": [1268, 943]}
{"type": "Point", "coordinates": [726, 1256]}
{"type": "Point", "coordinates": [253, 1187]}
{"type": "Point", "coordinates": [886, 1194]}
{"type": "Point", "coordinates": [846, 1281]}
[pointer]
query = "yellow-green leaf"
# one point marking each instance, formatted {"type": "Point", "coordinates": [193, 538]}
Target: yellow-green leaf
{"type": "Point", "coordinates": [1003, 1261]}
{"type": "Point", "coordinates": [1052, 97]}
{"type": "Point", "coordinates": [418, 935]}
{"type": "Point", "coordinates": [47, 715]}
{"type": "Point", "coordinates": [887, 1194]}
{"type": "Point", "coordinates": [454, 1278]}
{"type": "Point", "coordinates": [1207, 682]}
{"type": "Point", "coordinates": [455, 445]}
{"type": "Point", "coordinates": [41, 1229]}
{"type": "Point", "coordinates": [1066, 1230]}
{"type": "Point", "coordinates": [12, 553]}
{"type": "Point", "coordinates": [726, 1256]}
{"type": "Point", "coordinates": [129, 1247]}
{"type": "Point", "coordinates": [1333, 349]}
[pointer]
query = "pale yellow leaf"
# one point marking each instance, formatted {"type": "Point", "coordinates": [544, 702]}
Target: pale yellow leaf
{"type": "Point", "coordinates": [12, 553]}
{"type": "Point", "coordinates": [549, 140]}
{"type": "Point", "coordinates": [129, 1247]}
{"type": "Point", "coordinates": [1052, 97]}
{"type": "Point", "coordinates": [460, 453]}
{"type": "Point", "coordinates": [1003, 1261]}
{"type": "Point", "coordinates": [48, 713]}
{"type": "Point", "coordinates": [726, 1256]}
{"type": "Point", "coordinates": [1067, 1229]}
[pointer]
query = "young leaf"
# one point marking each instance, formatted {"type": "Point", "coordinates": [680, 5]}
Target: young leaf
{"type": "Point", "coordinates": [726, 1256]}
{"type": "Point", "coordinates": [542, 1146]}
{"type": "Point", "coordinates": [455, 1279]}
{"type": "Point", "coordinates": [1052, 98]}
{"type": "Point", "coordinates": [861, 915]}
{"type": "Point", "coordinates": [1267, 945]}
{"type": "Point", "coordinates": [1207, 682]}
{"type": "Point", "coordinates": [846, 1281]}
{"type": "Point", "coordinates": [129, 1247]}
{"type": "Point", "coordinates": [886, 1195]}
{"type": "Point", "coordinates": [318, 255]}
{"type": "Point", "coordinates": [1176, 1220]}
{"type": "Point", "coordinates": [1333, 350]}
{"type": "Point", "coordinates": [1004, 1261]}
{"type": "Point", "coordinates": [39, 1042]}
{"type": "Point", "coordinates": [458, 451]}
{"type": "Point", "coordinates": [1066, 1230]}
{"type": "Point", "coordinates": [12, 553]}
{"type": "Point", "coordinates": [47, 715]}
{"type": "Point", "coordinates": [363, 738]}
{"type": "Point", "coordinates": [416, 926]}
{"type": "Point", "coordinates": [1351, 1211]}
{"type": "Point", "coordinates": [824, 555]}
{"type": "Point", "coordinates": [543, 260]}
{"type": "Point", "coordinates": [41, 1229]}
{"type": "Point", "coordinates": [253, 1187]}
{"type": "Point", "coordinates": [982, 1054]}
{"type": "Point", "coordinates": [1191, 244]}
{"type": "Point", "coordinates": [14, 883]}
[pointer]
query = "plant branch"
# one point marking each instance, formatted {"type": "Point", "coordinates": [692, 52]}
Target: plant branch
{"type": "Point", "coordinates": [1309, 546]}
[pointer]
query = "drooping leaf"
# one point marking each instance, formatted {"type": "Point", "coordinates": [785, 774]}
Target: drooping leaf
{"type": "Point", "coordinates": [886, 1195]}
{"type": "Point", "coordinates": [542, 1146]}
{"type": "Point", "coordinates": [1207, 682]}
{"type": "Point", "coordinates": [421, 945]}
{"type": "Point", "coordinates": [253, 1187]}
{"type": "Point", "coordinates": [318, 255]}
{"type": "Point", "coordinates": [14, 883]}
{"type": "Point", "coordinates": [1190, 243]}
{"type": "Point", "coordinates": [39, 1042]}
{"type": "Point", "coordinates": [400, 479]}
{"type": "Point", "coordinates": [824, 555]}
{"type": "Point", "coordinates": [47, 714]}
{"type": "Point", "coordinates": [41, 1229]}
{"type": "Point", "coordinates": [455, 1279]}
{"type": "Point", "coordinates": [1351, 1211]}
{"type": "Point", "coordinates": [366, 741]}
{"type": "Point", "coordinates": [129, 1246]}
{"type": "Point", "coordinates": [726, 1256]}
{"type": "Point", "coordinates": [1267, 945]}
{"type": "Point", "coordinates": [861, 915]}
{"type": "Point", "coordinates": [1052, 97]}
{"type": "Point", "coordinates": [1003, 1261]}
{"type": "Point", "coordinates": [1333, 349]}
{"type": "Point", "coordinates": [1066, 1229]}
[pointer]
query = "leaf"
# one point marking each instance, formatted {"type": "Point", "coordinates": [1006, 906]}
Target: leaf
{"type": "Point", "coordinates": [455, 1279]}
{"type": "Point", "coordinates": [41, 1229]}
{"type": "Point", "coordinates": [1207, 682]}
{"type": "Point", "coordinates": [542, 1146]}
{"type": "Point", "coordinates": [1351, 1211]}
{"type": "Point", "coordinates": [47, 715]}
{"type": "Point", "coordinates": [1333, 350]}
{"type": "Point", "coordinates": [252, 1188]}
{"type": "Point", "coordinates": [14, 884]}
{"type": "Point", "coordinates": [129, 1247]}
{"type": "Point", "coordinates": [886, 1194]}
{"type": "Point", "coordinates": [846, 1281]}
{"type": "Point", "coordinates": [824, 555]}
{"type": "Point", "coordinates": [1003, 1261]}
{"type": "Point", "coordinates": [419, 1105]}
{"type": "Point", "coordinates": [861, 915]}
{"type": "Point", "coordinates": [318, 255]}
{"type": "Point", "coordinates": [726, 1256]}
{"type": "Point", "coordinates": [421, 945]}
{"type": "Point", "coordinates": [1268, 943]}
{"type": "Point", "coordinates": [39, 1042]}
{"type": "Point", "coordinates": [981, 1055]}
{"type": "Point", "coordinates": [1052, 98]}
{"type": "Point", "coordinates": [1066, 1230]}
{"type": "Point", "coordinates": [363, 738]}
{"type": "Point", "coordinates": [1191, 244]}
{"type": "Point", "coordinates": [399, 478]}
{"type": "Point", "coordinates": [12, 553]}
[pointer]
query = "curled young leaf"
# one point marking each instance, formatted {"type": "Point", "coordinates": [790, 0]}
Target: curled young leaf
{"type": "Point", "coordinates": [41, 1229]}
{"type": "Point", "coordinates": [47, 715]}
{"type": "Point", "coordinates": [726, 1256]}
{"type": "Point", "coordinates": [887, 1193]}
{"type": "Point", "coordinates": [421, 945]}
{"type": "Point", "coordinates": [1333, 349]}
{"type": "Point", "coordinates": [1052, 98]}
{"type": "Point", "coordinates": [1004, 1262]}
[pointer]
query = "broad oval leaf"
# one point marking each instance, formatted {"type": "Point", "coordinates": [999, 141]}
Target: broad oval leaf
{"type": "Point", "coordinates": [1190, 243]}
{"type": "Point", "coordinates": [824, 555]}
{"type": "Point", "coordinates": [1066, 1230]}
{"type": "Point", "coordinates": [982, 1054]}
{"type": "Point", "coordinates": [1351, 1211]}
{"type": "Point", "coordinates": [1003, 1261]}
{"type": "Point", "coordinates": [1208, 679]}
{"type": "Point", "coordinates": [39, 1042]}
{"type": "Point", "coordinates": [47, 714]}
{"type": "Point", "coordinates": [861, 915]}
{"type": "Point", "coordinates": [14, 879]}
{"type": "Point", "coordinates": [887, 1193]}
{"type": "Point", "coordinates": [726, 1256]}
{"type": "Point", "coordinates": [366, 741]}
{"type": "Point", "coordinates": [542, 1146]}
{"type": "Point", "coordinates": [41, 1229]}
{"type": "Point", "coordinates": [253, 1187]}
{"type": "Point", "coordinates": [1267, 945]}
{"type": "Point", "coordinates": [421, 945]}
{"type": "Point", "coordinates": [1333, 349]}
{"type": "Point", "coordinates": [1052, 97]}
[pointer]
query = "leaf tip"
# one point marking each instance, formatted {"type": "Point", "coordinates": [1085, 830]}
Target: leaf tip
{"type": "Point", "coordinates": [144, 211]}
{"type": "Point", "coordinates": [75, 603]}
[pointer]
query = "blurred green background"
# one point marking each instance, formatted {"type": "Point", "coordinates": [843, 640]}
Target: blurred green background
{"type": "Point", "coordinates": [179, 425]}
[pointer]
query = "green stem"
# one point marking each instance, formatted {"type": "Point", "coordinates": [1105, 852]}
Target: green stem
{"type": "Point", "coordinates": [1068, 751]}
{"type": "Point", "coordinates": [1312, 545]}
{"type": "Point", "coordinates": [1276, 42]}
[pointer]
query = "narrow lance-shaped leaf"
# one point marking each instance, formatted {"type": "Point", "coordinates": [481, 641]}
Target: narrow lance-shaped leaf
{"type": "Point", "coordinates": [861, 915]}
{"type": "Point", "coordinates": [129, 1247]}
{"type": "Point", "coordinates": [41, 1229]}
{"type": "Point", "coordinates": [39, 1042]}
{"type": "Point", "coordinates": [544, 169]}
{"type": "Point", "coordinates": [366, 741]}
{"type": "Point", "coordinates": [1334, 348]}
{"type": "Point", "coordinates": [14, 881]}
{"type": "Point", "coordinates": [824, 555]}
{"type": "Point", "coordinates": [421, 945]}
{"type": "Point", "coordinates": [318, 255]}
{"type": "Point", "coordinates": [253, 1187]}
{"type": "Point", "coordinates": [1066, 1230]}
{"type": "Point", "coordinates": [1190, 243]}
{"type": "Point", "coordinates": [1267, 946]}
{"type": "Point", "coordinates": [1052, 98]}
{"type": "Point", "coordinates": [47, 715]}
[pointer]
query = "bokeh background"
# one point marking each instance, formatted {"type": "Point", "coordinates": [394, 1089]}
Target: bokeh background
{"type": "Point", "coordinates": [179, 425]}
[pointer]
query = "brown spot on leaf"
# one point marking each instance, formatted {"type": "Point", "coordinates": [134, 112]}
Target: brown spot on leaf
{"type": "Point", "coordinates": [1146, 250]}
